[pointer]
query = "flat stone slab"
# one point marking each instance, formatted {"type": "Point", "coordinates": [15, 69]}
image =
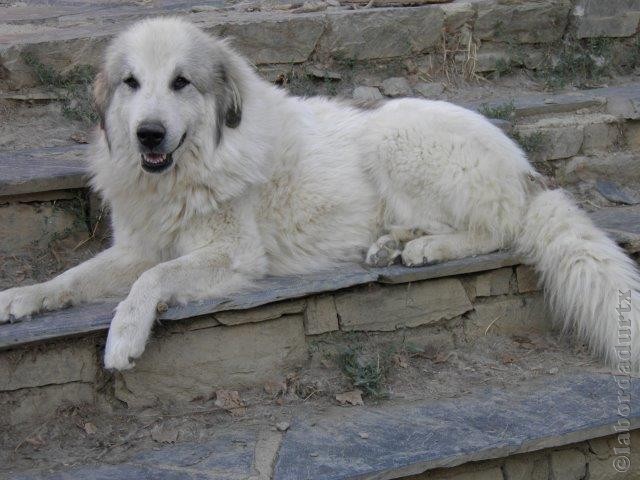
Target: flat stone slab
{"type": "Point", "coordinates": [622, 223]}
{"type": "Point", "coordinates": [400, 440]}
{"type": "Point", "coordinates": [96, 317]}
{"type": "Point", "coordinates": [229, 456]}
{"type": "Point", "coordinates": [479, 263]}
{"type": "Point", "coordinates": [42, 169]}
{"type": "Point", "coordinates": [495, 423]}
{"type": "Point", "coordinates": [622, 100]}
{"type": "Point", "coordinates": [40, 11]}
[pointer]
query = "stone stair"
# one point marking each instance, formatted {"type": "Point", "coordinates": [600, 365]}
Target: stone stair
{"type": "Point", "coordinates": [476, 384]}
{"type": "Point", "coordinates": [402, 441]}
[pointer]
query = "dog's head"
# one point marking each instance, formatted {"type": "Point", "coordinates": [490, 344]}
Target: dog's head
{"type": "Point", "coordinates": [163, 84]}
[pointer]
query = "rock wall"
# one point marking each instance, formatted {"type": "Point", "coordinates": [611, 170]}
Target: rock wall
{"type": "Point", "coordinates": [489, 34]}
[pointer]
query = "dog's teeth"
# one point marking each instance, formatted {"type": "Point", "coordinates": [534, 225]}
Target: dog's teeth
{"type": "Point", "coordinates": [154, 158]}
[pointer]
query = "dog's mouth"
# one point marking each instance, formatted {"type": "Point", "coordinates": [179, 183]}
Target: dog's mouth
{"type": "Point", "coordinates": [159, 162]}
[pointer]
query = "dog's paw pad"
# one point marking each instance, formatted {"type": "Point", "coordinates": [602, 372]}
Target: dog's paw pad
{"type": "Point", "coordinates": [383, 253]}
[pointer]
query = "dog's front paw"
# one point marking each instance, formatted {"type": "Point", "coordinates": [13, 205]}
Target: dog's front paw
{"type": "Point", "coordinates": [20, 302]}
{"type": "Point", "coordinates": [128, 335]}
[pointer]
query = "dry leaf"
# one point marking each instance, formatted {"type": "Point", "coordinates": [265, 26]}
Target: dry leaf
{"type": "Point", "coordinates": [354, 397]}
{"type": "Point", "coordinates": [441, 357]}
{"type": "Point", "coordinates": [327, 363]}
{"type": "Point", "coordinates": [90, 428]}
{"type": "Point", "coordinates": [400, 361]}
{"type": "Point", "coordinates": [521, 339]}
{"type": "Point", "coordinates": [79, 137]}
{"type": "Point", "coordinates": [35, 441]}
{"type": "Point", "coordinates": [230, 400]}
{"type": "Point", "coordinates": [162, 435]}
{"type": "Point", "coordinates": [274, 388]}
{"type": "Point", "coordinates": [430, 352]}
{"type": "Point", "coordinates": [508, 358]}
{"type": "Point", "coordinates": [524, 342]}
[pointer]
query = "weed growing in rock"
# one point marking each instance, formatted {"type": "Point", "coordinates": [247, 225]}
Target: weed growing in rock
{"type": "Point", "coordinates": [503, 111]}
{"type": "Point", "coordinates": [579, 63]}
{"type": "Point", "coordinates": [74, 86]}
{"type": "Point", "coordinates": [503, 67]}
{"type": "Point", "coordinates": [367, 373]}
{"type": "Point", "coordinates": [532, 143]}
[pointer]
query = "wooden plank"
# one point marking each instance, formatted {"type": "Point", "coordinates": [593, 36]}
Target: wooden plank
{"type": "Point", "coordinates": [479, 263]}
{"type": "Point", "coordinates": [407, 440]}
{"type": "Point", "coordinates": [43, 169]}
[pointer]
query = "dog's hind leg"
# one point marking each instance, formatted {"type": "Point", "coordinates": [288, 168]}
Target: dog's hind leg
{"type": "Point", "coordinates": [449, 246]}
{"type": "Point", "coordinates": [388, 247]}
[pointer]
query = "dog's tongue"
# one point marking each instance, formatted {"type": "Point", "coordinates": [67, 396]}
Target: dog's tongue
{"type": "Point", "coordinates": [155, 157]}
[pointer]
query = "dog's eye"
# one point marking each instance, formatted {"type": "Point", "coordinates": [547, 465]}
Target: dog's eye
{"type": "Point", "coordinates": [179, 83]}
{"type": "Point", "coordinates": [132, 82]}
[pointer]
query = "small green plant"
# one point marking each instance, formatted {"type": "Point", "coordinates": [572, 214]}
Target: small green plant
{"type": "Point", "coordinates": [579, 63]}
{"type": "Point", "coordinates": [503, 111]}
{"type": "Point", "coordinates": [631, 56]}
{"type": "Point", "coordinates": [503, 67]}
{"type": "Point", "coordinates": [341, 59]}
{"type": "Point", "coordinates": [330, 87]}
{"type": "Point", "coordinates": [532, 143]}
{"type": "Point", "coordinates": [297, 83]}
{"type": "Point", "coordinates": [367, 374]}
{"type": "Point", "coordinates": [75, 87]}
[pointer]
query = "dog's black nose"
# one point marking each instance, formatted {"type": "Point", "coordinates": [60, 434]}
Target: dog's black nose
{"type": "Point", "coordinates": [150, 134]}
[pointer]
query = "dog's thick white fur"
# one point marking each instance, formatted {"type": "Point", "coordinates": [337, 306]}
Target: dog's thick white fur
{"type": "Point", "coordinates": [265, 183]}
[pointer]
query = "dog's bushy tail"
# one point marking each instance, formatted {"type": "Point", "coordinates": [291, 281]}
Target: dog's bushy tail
{"type": "Point", "coordinates": [591, 284]}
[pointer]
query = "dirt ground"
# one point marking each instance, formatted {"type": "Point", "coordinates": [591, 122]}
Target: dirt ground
{"type": "Point", "coordinates": [416, 365]}
{"type": "Point", "coordinates": [37, 265]}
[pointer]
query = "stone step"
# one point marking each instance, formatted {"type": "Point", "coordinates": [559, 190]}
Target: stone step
{"type": "Point", "coordinates": [559, 428]}
{"type": "Point", "coordinates": [562, 137]}
{"type": "Point", "coordinates": [245, 339]}
{"type": "Point", "coordinates": [622, 224]}
{"type": "Point", "coordinates": [287, 33]}
{"type": "Point", "coordinates": [91, 318]}
{"type": "Point", "coordinates": [266, 35]}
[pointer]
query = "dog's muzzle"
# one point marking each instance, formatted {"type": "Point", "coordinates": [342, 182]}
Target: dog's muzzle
{"type": "Point", "coordinates": [159, 162]}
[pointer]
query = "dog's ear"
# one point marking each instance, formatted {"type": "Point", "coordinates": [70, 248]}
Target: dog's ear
{"type": "Point", "coordinates": [228, 91]}
{"type": "Point", "coordinates": [231, 104]}
{"type": "Point", "coordinates": [101, 96]}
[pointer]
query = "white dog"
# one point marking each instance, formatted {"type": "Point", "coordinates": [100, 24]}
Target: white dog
{"type": "Point", "coordinates": [215, 178]}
